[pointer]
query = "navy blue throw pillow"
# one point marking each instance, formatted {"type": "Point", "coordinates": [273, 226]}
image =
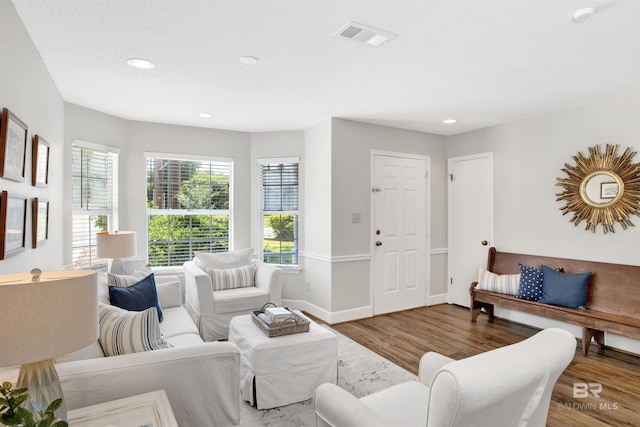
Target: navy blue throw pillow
{"type": "Point", "coordinates": [530, 283]}
{"type": "Point", "coordinates": [137, 297]}
{"type": "Point", "coordinates": [568, 290]}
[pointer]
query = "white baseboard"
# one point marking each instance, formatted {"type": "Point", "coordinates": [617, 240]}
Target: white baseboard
{"type": "Point", "coordinates": [436, 299]}
{"type": "Point", "coordinates": [328, 316]}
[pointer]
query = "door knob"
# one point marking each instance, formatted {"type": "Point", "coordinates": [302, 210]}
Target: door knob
{"type": "Point", "coordinates": [378, 243]}
{"type": "Point", "coordinates": [484, 243]}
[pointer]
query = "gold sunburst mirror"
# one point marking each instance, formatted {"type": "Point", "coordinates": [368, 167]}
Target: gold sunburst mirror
{"type": "Point", "coordinates": [601, 189]}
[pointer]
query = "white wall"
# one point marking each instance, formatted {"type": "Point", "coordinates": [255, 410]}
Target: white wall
{"type": "Point", "coordinates": [27, 90]}
{"type": "Point", "coordinates": [528, 157]}
{"type": "Point", "coordinates": [317, 228]}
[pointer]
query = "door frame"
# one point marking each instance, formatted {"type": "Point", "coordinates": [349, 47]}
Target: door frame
{"type": "Point", "coordinates": [372, 239]}
{"type": "Point", "coordinates": [450, 160]}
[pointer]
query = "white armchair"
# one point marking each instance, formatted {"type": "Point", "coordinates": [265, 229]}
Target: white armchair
{"type": "Point", "coordinates": [212, 310]}
{"type": "Point", "coordinates": [509, 386]}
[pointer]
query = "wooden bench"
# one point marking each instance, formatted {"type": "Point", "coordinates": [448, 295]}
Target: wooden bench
{"type": "Point", "coordinates": [613, 297]}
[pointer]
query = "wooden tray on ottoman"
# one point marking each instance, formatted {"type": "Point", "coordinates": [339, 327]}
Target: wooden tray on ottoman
{"type": "Point", "coordinates": [290, 326]}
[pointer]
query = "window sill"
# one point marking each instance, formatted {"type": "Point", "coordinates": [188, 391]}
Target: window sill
{"type": "Point", "coordinates": [162, 271]}
{"type": "Point", "coordinates": [289, 269]}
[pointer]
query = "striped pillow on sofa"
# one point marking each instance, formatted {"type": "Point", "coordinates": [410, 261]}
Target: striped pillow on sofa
{"type": "Point", "coordinates": [124, 332]}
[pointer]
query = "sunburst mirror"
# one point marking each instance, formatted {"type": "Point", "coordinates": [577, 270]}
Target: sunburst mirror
{"type": "Point", "coordinates": [601, 189]}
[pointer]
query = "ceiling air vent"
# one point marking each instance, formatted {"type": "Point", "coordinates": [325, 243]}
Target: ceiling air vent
{"type": "Point", "coordinates": [363, 34]}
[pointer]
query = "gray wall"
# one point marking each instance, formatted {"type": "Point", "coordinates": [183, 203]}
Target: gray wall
{"type": "Point", "coordinates": [136, 138]}
{"type": "Point", "coordinates": [279, 144]}
{"type": "Point", "coordinates": [83, 124]}
{"type": "Point", "coordinates": [27, 90]}
{"type": "Point", "coordinates": [528, 157]}
{"type": "Point", "coordinates": [352, 143]}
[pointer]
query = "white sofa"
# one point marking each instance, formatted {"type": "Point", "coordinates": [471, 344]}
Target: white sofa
{"type": "Point", "coordinates": [509, 386]}
{"type": "Point", "coordinates": [202, 380]}
{"type": "Point", "coordinates": [212, 310]}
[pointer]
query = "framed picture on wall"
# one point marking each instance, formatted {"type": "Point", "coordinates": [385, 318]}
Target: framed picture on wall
{"type": "Point", "coordinates": [40, 162]}
{"type": "Point", "coordinates": [13, 146]}
{"type": "Point", "coordinates": [13, 219]}
{"type": "Point", "coordinates": [40, 221]}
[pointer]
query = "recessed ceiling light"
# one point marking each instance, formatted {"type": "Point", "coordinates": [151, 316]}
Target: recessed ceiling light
{"type": "Point", "coordinates": [248, 60]}
{"type": "Point", "coordinates": [450, 121]}
{"type": "Point", "coordinates": [205, 115]}
{"type": "Point", "coordinates": [582, 14]}
{"type": "Point", "coordinates": [141, 64]}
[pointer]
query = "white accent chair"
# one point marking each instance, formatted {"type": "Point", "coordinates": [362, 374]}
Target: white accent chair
{"type": "Point", "coordinates": [509, 386]}
{"type": "Point", "coordinates": [212, 310]}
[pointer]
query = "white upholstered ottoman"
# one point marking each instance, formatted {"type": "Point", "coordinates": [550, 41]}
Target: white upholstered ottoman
{"type": "Point", "coordinates": [283, 370]}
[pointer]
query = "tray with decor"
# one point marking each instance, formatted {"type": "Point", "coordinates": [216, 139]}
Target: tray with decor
{"type": "Point", "coordinates": [282, 324]}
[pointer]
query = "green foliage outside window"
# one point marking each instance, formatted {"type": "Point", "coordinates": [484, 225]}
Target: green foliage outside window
{"type": "Point", "coordinates": [279, 245]}
{"type": "Point", "coordinates": [181, 187]}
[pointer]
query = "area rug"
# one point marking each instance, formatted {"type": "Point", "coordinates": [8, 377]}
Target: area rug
{"type": "Point", "coordinates": [360, 372]}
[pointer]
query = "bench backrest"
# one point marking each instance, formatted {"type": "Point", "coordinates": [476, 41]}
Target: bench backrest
{"type": "Point", "coordinates": [613, 288]}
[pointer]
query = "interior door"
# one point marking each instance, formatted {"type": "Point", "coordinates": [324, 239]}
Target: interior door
{"type": "Point", "coordinates": [470, 222]}
{"type": "Point", "coordinates": [400, 233]}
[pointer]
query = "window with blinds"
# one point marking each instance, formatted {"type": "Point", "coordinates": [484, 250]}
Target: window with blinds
{"type": "Point", "coordinates": [279, 210]}
{"type": "Point", "coordinates": [94, 201]}
{"type": "Point", "coordinates": [188, 208]}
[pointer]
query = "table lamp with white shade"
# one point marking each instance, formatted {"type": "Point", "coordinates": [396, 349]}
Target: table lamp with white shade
{"type": "Point", "coordinates": [42, 319]}
{"type": "Point", "coordinates": [116, 245]}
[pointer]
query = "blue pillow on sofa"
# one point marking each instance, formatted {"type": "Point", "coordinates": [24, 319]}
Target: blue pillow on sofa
{"type": "Point", "coordinates": [137, 297]}
{"type": "Point", "coordinates": [568, 290]}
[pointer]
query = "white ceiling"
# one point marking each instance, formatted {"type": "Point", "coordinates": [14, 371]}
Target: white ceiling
{"type": "Point", "coordinates": [481, 62]}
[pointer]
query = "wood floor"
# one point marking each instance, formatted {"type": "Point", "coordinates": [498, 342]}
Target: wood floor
{"type": "Point", "coordinates": [405, 336]}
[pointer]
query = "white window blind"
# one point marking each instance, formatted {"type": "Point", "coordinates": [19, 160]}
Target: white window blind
{"type": "Point", "coordinates": [279, 211]}
{"type": "Point", "coordinates": [94, 201]}
{"type": "Point", "coordinates": [188, 208]}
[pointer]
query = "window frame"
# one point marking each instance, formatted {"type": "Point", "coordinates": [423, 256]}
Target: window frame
{"type": "Point", "coordinates": [191, 212]}
{"type": "Point", "coordinates": [112, 213]}
{"type": "Point", "coordinates": [261, 212]}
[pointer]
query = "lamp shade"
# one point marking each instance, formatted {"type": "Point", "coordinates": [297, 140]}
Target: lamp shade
{"type": "Point", "coordinates": [48, 318]}
{"type": "Point", "coordinates": [118, 244]}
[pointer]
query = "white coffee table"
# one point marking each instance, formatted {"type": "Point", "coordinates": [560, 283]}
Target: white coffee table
{"type": "Point", "coordinates": [283, 370]}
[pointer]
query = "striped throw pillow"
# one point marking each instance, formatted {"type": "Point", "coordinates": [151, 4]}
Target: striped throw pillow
{"type": "Point", "coordinates": [124, 280]}
{"type": "Point", "coordinates": [232, 278]}
{"type": "Point", "coordinates": [124, 332]}
{"type": "Point", "coordinates": [500, 283]}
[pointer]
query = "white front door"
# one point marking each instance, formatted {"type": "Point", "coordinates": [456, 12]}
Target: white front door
{"type": "Point", "coordinates": [470, 222]}
{"type": "Point", "coordinates": [399, 232]}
